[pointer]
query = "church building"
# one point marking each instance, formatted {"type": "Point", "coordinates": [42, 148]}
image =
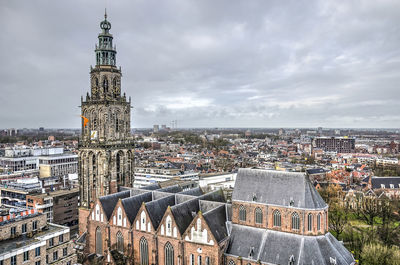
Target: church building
{"type": "Point", "coordinates": [274, 218]}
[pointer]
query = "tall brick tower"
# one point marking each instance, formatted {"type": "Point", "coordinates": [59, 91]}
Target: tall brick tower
{"type": "Point", "coordinates": [106, 145]}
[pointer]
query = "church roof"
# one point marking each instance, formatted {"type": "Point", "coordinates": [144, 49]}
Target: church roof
{"type": "Point", "coordinates": [184, 213]}
{"type": "Point", "coordinates": [277, 188]}
{"type": "Point", "coordinates": [157, 208]}
{"type": "Point", "coordinates": [216, 220]}
{"type": "Point", "coordinates": [275, 247]}
{"type": "Point", "coordinates": [132, 204]}
{"type": "Point", "coordinates": [108, 202]}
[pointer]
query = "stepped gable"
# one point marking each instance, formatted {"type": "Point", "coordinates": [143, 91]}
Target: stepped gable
{"type": "Point", "coordinates": [108, 202]}
{"type": "Point", "coordinates": [216, 220]}
{"type": "Point", "coordinates": [132, 204]}
{"type": "Point", "coordinates": [157, 208]}
{"type": "Point", "coordinates": [193, 192]}
{"type": "Point", "coordinates": [266, 245]}
{"type": "Point", "coordinates": [276, 188]}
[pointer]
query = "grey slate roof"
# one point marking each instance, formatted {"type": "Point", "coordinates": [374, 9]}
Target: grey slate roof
{"type": "Point", "coordinates": [132, 204]}
{"type": "Point", "coordinates": [276, 187]}
{"type": "Point", "coordinates": [108, 202]}
{"type": "Point", "coordinates": [184, 213]}
{"type": "Point", "coordinates": [377, 181]}
{"type": "Point", "coordinates": [151, 187]}
{"type": "Point", "coordinates": [157, 208]}
{"type": "Point", "coordinates": [216, 220]}
{"type": "Point", "coordinates": [172, 189]}
{"type": "Point", "coordinates": [277, 247]}
{"type": "Point", "coordinates": [216, 196]}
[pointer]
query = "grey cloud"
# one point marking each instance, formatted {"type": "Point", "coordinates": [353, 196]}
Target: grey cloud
{"type": "Point", "coordinates": [207, 63]}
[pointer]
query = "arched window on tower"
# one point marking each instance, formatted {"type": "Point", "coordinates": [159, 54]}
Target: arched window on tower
{"type": "Point", "coordinates": [144, 252]}
{"type": "Point", "coordinates": [277, 218]}
{"type": "Point", "coordinates": [169, 254]}
{"type": "Point", "coordinates": [295, 221]}
{"type": "Point", "coordinates": [105, 85]}
{"type": "Point", "coordinates": [258, 215]}
{"type": "Point", "coordinates": [120, 242]}
{"type": "Point", "coordinates": [231, 262]}
{"type": "Point", "coordinates": [242, 213]}
{"type": "Point", "coordinates": [319, 222]}
{"type": "Point", "coordinates": [94, 168]}
{"type": "Point", "coordinates": [118, 166]}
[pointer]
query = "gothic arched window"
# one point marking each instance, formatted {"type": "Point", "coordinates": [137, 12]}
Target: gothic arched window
{"type": "Point", "coordinates": [259, 215]}
{"type": "Point", "coordinates": [319, 222]}
{"type": "Point", "coordinates": [310, 217]}
{"type": "Point", "coordinates": [242, 213]}
{"type": "Point", "coordinates": [120, 242]}
{"type": "Point", "coordinates": [144, 252]}
{"type": "Point", "coordinates": [105, 84]}
{"type": "Point", "coordinates": [277, 218]}
{"type": "Point", "coordinates": [169, 254]}
{"type": "Point", "coordinates": [94, 164]}
{"type": "Point", "coordinates": [231, 262]}
{"type": "Point", "coordinates": [119, 164]}
{"type": "Point", "coordinates": [99, 242]}
{"type": "Point", "coordinates": [295, 221]}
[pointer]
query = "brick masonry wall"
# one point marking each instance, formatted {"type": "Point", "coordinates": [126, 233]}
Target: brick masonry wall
{"type": "Point", "coordinates": [286, 218]}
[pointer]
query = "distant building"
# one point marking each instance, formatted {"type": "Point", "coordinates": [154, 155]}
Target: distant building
{"type": "Point", "coordinates": [58, 165]}
{"type": "Point", "coordinates": [156, 128]}
{"type": "Point", "coordinates": [148, 176]}
{"type": "Point", "coordinates": [335, 144]}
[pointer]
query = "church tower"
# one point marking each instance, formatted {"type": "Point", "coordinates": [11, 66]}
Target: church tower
{"type": "Point", "coordinates": [106, 145]}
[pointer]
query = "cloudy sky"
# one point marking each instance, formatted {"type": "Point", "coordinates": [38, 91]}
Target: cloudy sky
{"type": "Point", "coordinates": [208, 63]}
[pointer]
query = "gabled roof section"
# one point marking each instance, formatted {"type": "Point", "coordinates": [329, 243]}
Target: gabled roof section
{"type": "Point", "coordinates": [216, 196]}
{"type": "Point", "coordinates": [216, 220]}
{"type": "Point", "coordinates": [184, 213]}
{"type": "Point", "coordinates": [171, 189]}
{"type": "Point", "coordinates": [277, 188]}
{"type": "Point", "coordinates": [156, 209]}
{"type": "Point", "coordinates": [132, 204]}
{"type": "Point", "coordinates": [108, 202]}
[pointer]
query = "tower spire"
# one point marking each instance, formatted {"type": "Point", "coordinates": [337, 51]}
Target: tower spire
{"type": "Point", "coordinates": [105, 13]}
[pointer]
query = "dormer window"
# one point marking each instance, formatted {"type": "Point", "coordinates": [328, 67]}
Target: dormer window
{"type": "Point", "coordinates": [382, 186]}
{"type": "Point", "coordinates": [392, 186]}
{"type": "Point", "coordinates": [254, 197]}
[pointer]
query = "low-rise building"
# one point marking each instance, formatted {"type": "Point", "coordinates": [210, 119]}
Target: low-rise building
{"type": "Point", "coordinates": [60, 207]}
{"type": "Point", "coordinates": [27, 238]}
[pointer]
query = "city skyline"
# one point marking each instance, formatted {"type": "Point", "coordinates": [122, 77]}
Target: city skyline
{"type": "Point", "coordinates": [207, 64]}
